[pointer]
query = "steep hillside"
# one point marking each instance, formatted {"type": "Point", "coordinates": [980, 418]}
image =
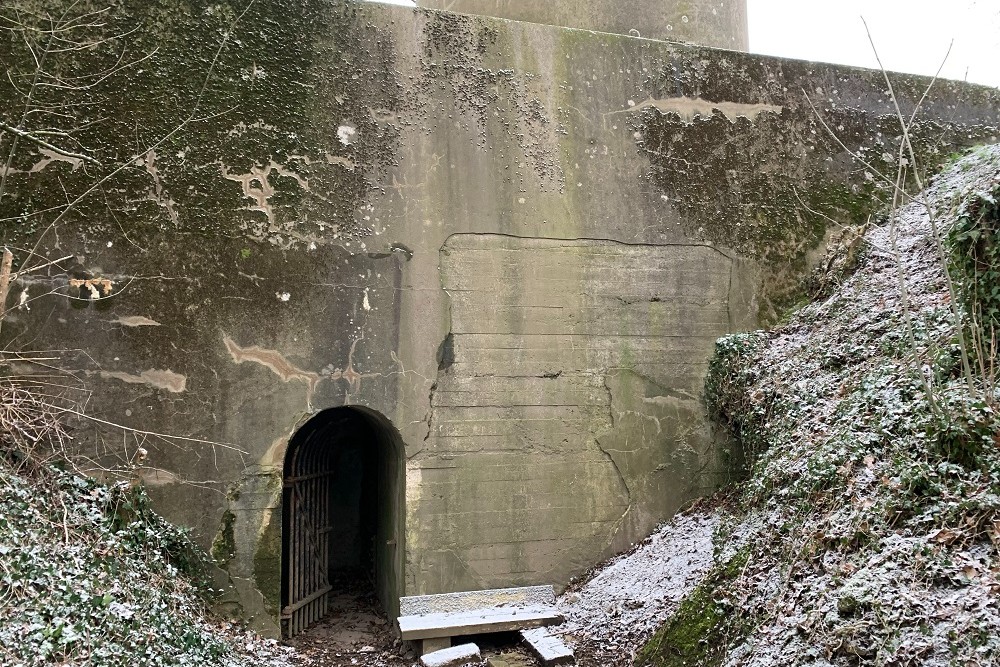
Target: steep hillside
{"type": "Point", "coordinates": [868, 530]}
{"type": "Point", "coordinates": [89, 575]}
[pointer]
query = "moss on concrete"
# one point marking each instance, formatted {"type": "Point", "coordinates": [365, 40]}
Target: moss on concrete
{"type": "Point", "coordinates": [703, 626]}
{"type": "Point", "coordinates": [267, 564]}
{"type": "Point", "coordinates": [218, 130]}
{"type": "Point", "coordinates": [224, 544]}
{"type": "Point", "coordinates": [768, 185]}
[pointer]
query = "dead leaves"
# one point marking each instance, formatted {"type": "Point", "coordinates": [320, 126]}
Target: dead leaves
{"type": "Point", "coordinates": [994, 534]}
{"type": "Point", "coordinates": [95, 288]}
{"type": "Point", "coordinates": [944, 536]}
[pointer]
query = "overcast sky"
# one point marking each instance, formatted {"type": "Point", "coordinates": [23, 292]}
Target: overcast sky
{"type": "Point", "coordinates": [911, 35]}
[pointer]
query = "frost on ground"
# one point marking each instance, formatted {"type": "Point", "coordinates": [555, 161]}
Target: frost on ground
{"type": "Point", "coordinates": [90, 576]}
{"type": "Point", "coordinates": [869, 529]}
{"type": "Point", "coordinates": [623, 601]}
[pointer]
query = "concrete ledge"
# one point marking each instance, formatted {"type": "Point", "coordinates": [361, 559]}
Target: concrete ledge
{"type": "Point", "coordinates": [427, 626]}
{"type": "Point", "coordinates": [474, 600]}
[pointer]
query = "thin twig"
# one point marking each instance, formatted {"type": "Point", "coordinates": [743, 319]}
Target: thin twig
{"type": "Point", "coordinates": [5, 266]}
{"type": "Point", "coordinates": [931, 216]}
{"type": "Point", "coordinates": [125, 164]}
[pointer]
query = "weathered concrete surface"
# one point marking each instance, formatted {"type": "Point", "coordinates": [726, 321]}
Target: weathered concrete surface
{"type": "Point", "coordinates": [465, 600]}
{"type": "Point", "coordinates": [515, 241]}
{"type": "Point", "coordinates": [554, 345]}
{"type": "Point", "coordinates": [718, 23]}
{"type": "Point", "coordinates": [549, 649]}
{"type": "Point", "coordinates": [476, 622]}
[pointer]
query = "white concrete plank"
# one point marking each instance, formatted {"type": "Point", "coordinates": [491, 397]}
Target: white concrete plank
{"type": "Point", "coordinates": [450, 657]}
{"type": "Point", "coordinates": [476, 622]}
{"type": "Point", "coordinates": [550, 650]}
{"type": "Point", "coordinates": [536, 596]}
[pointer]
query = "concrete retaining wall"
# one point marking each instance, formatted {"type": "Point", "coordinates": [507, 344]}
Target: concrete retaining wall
{"type": "Point", "coordinates": [517, 242]}
{"type": "Point", "coordinates": [718, 23]}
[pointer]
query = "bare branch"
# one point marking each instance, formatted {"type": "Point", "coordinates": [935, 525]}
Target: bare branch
{"type": "Point", "coordinates": [875, 172]}
{"type": "Point", "coordinates": [163, 436]}
{"type": "Point", "coordinates": [18, 274]}
{"type": "Point", "coordinates": [932, 217]}
{"type": "Point", "coordinates": [162, 140]}
{"type": "Point", "coordinates": [5, 266]}
{"type": "Point", "coordinates": [46, 145]}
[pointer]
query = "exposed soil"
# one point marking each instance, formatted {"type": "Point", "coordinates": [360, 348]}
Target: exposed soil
{"type": "Point", "coordinates": [355, 633]}
{"type": "Point", "coordinates": [358, 634]}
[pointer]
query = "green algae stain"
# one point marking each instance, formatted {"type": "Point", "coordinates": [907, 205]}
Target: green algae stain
{"type": "Point", "coordinates": [228, 123]}
{"type": "Point", "coordinates": [224, 544]}
{"type": "Point", "coordinates": [267, 564]}
{"type": "Point", "coordinates": [770, 187]}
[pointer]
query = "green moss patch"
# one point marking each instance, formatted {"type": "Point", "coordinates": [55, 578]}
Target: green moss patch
{"type": "Point", "coordinates": [701, 628]}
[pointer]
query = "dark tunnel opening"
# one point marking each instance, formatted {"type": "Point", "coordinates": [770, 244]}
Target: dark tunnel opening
{"type": "Point", "coordinates": [341, 514]}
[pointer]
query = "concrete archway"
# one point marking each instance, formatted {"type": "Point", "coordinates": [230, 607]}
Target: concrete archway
{"type": "Point", "coordinates": [342, 513]}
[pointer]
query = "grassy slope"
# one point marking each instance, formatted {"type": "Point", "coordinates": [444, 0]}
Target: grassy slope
{"type": "Point", "coordinates": [870, 523]}
{"type": "Point", "coordinates": [89, 575]}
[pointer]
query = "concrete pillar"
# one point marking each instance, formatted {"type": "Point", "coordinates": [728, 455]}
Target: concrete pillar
{"type": "Point", "coordinates": [718, 23]}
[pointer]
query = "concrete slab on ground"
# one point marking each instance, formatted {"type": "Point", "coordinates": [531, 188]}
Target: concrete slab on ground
{"type": "Point", "coordinates": [549, 649]}
{"type": "Point", "coordinates": [452, 656]}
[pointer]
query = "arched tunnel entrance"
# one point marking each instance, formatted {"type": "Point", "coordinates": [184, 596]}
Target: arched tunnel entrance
{"type": "Point", "coordinates": [342, 514]}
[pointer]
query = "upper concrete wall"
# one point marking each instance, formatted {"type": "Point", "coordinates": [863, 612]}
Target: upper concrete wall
{"type": "Point", "coordinates": [517, 242]}
{"type": "Point", "coordinates": [718, 23]}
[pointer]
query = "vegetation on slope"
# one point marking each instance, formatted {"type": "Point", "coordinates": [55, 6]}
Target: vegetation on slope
{"type": "Point", "coordinates": [88, 573]}
{"type": "Point", "coordinates": [871, 515]}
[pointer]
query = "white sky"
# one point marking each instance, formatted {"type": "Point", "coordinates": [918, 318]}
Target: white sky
{"type": "Point", "coordinates": [911, 35]}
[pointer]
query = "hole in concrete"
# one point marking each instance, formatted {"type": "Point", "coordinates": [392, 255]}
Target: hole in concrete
{"type": "Point", "coordinates": [341, 514]}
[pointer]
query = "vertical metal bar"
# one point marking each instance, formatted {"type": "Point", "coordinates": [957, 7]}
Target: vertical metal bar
{"type": "Point", "coordinates": [303, 552]}
{"type": "Point", "coordinates": [293, 587]}
{"type": "Point", "coordinates": [314, 468]}
{"type": "Point", "coordinates": [298, 553]}
{"type": "Point", "coordinates": [321, 569]}
{"type": "Point", "coordinates": [292, 551]}
{"type": "Point", "coordinates": [324, 520]}
{"type": "Point", "coordinates": [312, 555]}
{"type": "Point", "coordinates": [311, 474]}
{"type": "Point", "coordinates": [310, 491]}
{"type": "Point", "coordinates": [298, 556]}
{"type": "Point", "coordinates": [304, 548]}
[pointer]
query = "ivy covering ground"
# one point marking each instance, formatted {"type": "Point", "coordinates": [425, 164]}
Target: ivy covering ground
{"type": "Point", "coordinates": [870, 519]}
{"type": "Point", "coordinates": [89, 575]}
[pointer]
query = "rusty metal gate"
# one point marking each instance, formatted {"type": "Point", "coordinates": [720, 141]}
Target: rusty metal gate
{"type": "Point", "coordinates": [341, 506]}
{"type": "Point", "coordinates": [309, 473]}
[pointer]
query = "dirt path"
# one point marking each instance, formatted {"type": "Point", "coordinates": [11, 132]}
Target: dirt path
{"type": "Point", "coordinates": [355, 633]}
{"type": "Point", "coordinates": [608, 616]}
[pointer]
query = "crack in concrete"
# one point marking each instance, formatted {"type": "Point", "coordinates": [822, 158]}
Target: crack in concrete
{"type": "Point", "coordinates": [257, 185]}
{"type": "Point", "coordinates": [571, 243]}
{"type": "Point", "coordinates": [48, 157]}
{"type": "Point", "coordinates": [135, 321]}
{"type": "Point", "coordinates": [607, 453]}
{"type": "Point", "coordinates": [278, 364]}
{"type": "Point", "coordinates": [158, 194]}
